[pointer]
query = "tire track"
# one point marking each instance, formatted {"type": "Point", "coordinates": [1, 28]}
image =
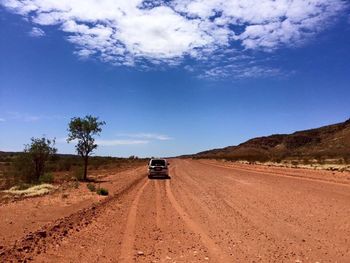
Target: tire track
{"type": "Point", "coordinates": [158, 205]}
{"type": "Point", "coordinates": [127, 251]}
{"type": "Point", "coordinates": [160, 217]}
{"type": "Point", "coordinates": [214, 250]}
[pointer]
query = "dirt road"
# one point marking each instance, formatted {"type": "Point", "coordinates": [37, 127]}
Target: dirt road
{"type": "Point", "coordinates": [206, 212]}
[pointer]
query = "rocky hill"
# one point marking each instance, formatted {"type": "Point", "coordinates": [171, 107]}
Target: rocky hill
{"type": "Point", "coordinates": [328, 142]}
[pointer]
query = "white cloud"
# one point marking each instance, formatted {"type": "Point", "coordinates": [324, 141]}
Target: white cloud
{"type": "Point", "coordinates": [27, 117]}
{"type": "Point", "coordinates": [37, 32]}
{"type": "Point", "coordinates": [150, 136]}
{"type": "Point", "coordinates": [267, 24]}
{"type": "Point", "coordinates": [237, 71]}
{"type": "Point", "coordinates": [132, 32]}
{"type": "Point", "coordinates": [112, 142]}
{"type": "Point", "coordinates": [13, 115]}
{"type": "Point", "coordinates": [120, 142]}
{"type": "Point", "coordinates": [2, 120]}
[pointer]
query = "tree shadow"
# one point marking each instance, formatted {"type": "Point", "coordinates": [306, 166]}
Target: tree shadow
{"type": "Point", "coordinates": [95, 180]}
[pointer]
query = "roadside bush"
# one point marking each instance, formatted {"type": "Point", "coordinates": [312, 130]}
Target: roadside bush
{"type": "Point", "coordinates": [78, 173]}
{"type": "Point", "coordinates": [306, 160]}
{"type": "Point", "coordinates": [46, 178]}
{"type": "Point", "coordinates": [102, 191]}
{"type": "Point", "coordinates": [76, 184]}
{"type": "Point", "coordinates": [294, 163]}
{"type": "Point", "coordinates": [65, 165]}
{"type": "Point", "coordinates": [39, 151]}
{"type": "Point", "coordinates": [50, 167]}
{"type": "Point", "coordinates": [347, 159]}
{"type": "Point", "coordinates": [23, 186]}
{"type": "Point", "coordinates": [19, 168]}
{"type": "Point", "coordinates": [91, 187]}
{"type": "Point", "coordinates": [320, 160]}
{"type": "Point", "coordinates": [95, 166]}
{"type": "Point", "coordinates": [276, 160]}
{"type": "Point", "coordinates": [20, 171]}
{"type": "Point", "coordinates": [341, 161]}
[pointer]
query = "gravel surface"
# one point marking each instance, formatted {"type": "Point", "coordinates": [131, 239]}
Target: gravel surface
{"type": "Point", "coordinates": [206, 212]}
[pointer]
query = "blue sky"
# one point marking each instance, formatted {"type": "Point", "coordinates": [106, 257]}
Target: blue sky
{"type": "Point", "coordinates": [172, 77]}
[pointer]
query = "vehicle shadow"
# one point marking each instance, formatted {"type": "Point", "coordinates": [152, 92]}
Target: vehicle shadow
{"type": "Point", "coordinates": [159, 177]}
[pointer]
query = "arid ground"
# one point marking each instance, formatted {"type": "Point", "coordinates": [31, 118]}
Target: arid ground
{"type": "Point", "coordinates": [208, 211]}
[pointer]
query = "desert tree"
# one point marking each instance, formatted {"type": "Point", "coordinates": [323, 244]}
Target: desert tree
{"type": "Point", "coordinates": [39, 151]}
{"type": "Point", "coordinates": [83, 130]}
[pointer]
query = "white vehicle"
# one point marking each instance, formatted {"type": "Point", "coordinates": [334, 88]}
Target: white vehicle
{"type": "Point", "coordinates": [158, 168]}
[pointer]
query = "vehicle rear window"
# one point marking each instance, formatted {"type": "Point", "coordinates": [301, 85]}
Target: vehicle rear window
{"type": "Point", "coordinates": [158, 163]}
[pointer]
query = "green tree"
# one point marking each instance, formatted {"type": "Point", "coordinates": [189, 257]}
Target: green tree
{"type": "Point", "coordinates": [39, 151]}
{"type": "Point", "coordinates": [82, 130]}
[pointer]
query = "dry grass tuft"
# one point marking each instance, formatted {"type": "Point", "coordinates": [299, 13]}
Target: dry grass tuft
{"type": "Point", "coordinates": [36, 190]}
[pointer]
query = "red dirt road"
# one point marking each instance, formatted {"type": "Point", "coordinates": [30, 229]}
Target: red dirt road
{"type": "Point", "coordinates": [206, 212]}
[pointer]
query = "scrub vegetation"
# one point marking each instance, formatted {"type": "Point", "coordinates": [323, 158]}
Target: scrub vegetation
{"type": "Point", "coordinates": [61, 167]}
{"type": "Point", "coordinates": [39, 162]}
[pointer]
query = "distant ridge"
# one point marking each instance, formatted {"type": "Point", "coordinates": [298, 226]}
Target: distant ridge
{"type": "Point", "coordinates": [327, 142]}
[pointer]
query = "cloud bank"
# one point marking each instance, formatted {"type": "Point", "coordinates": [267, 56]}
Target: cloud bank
{"type": "Point", "coordinates": [129, 139]}
{"type": "Point", "coordinates": [120, 142]}
{"type": "Point", "coordinates": [149, 136]}
{"type": "Point", "coordinates": [109, 142]}
{"type": "Point", "coordinates": [137, 32]}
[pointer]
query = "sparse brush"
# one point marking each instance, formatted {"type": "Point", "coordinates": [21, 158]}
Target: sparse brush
{"type": "Point", "coordinates": [79, 173]}
{"type": "Point", "coordinates": [102, 191]}
{"type": "Point", "coordinates": [46, 178]}
{"type": "Point", "coordinates": [306, 160]}
{"type": "Point", "coordinates": [36, 190]}
{"type": "Point", "coordinates": [22, 186]}
{"type": "Point", "coordinates": [294, 163]}
{"type": "Point", "coordinates": [76, 184]}
{"type": "Point", "coordinates": [18, 168]}
{"type": "Point", "coordinates": [91, 187]}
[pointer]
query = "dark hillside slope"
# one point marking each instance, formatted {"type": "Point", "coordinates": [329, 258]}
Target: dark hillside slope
{"type": "Point", "coordinates": [328, 142]}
